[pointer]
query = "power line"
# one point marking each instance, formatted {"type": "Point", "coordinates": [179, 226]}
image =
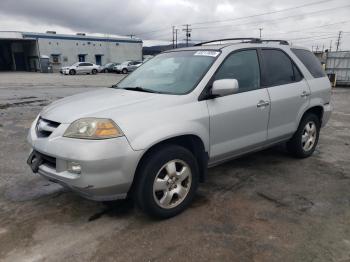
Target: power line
{"type": "Point", "coordinates": [276, 19]}
{"type": "Point", "coordinates": [311, 37]}
{"type": "Point", "coordinates": [239, 18]}
{"type": "Point", "coordinates": [266, 13]}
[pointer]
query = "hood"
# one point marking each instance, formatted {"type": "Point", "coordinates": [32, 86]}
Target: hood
{"type": "Point", "coordinates": [106, 102]}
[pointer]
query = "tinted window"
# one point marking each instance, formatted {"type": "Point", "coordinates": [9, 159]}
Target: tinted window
{"type": "Point", "coordinates": [297, 75]}
{"type": "Point", "coordinates": [310, 61]}
{"type": "Point", "coordinates": [278, 68]}
{"type": "Point", "coordinates": [244, 67]}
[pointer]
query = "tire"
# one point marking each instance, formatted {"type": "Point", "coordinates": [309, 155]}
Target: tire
{"type": "Point", "coordinates": [125, 71]}
{"type": "Point", "coordinates": [305, 139]}
{"type": "Point", "coordinates": [105, 71]}
{"type": "Point", "coordinates": [72, 72]}
{"type": "Point", "coordinates": [94, 71]}
{"type": "Point", "coordinates": [166, 201]}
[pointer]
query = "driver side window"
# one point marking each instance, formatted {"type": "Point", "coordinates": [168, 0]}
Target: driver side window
{"type": "Point", "coordinates": [243, 66]}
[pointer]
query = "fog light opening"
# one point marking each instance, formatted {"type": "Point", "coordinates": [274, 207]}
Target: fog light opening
{"type": "Point", "coordinates": [74, 168]}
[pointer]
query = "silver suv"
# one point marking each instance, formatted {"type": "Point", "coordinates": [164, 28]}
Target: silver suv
{"type": "Point", "coordinates": [153, 135]}
{"type": "Point", "coordinates": [127, 66]}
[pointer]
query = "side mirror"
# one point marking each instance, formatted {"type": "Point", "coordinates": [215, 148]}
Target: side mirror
{"type": "Point", "coordinates": [224, 87]}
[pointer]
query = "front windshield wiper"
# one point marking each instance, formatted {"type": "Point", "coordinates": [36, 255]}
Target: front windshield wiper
{"type": "Point", "coordinates": [140, 89]}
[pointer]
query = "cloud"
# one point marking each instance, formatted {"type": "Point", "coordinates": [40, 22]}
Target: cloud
{"type": "Point", "coordinates": [152, 19]}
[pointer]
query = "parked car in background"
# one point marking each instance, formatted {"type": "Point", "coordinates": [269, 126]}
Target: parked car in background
{"type": "Point", "coordinates": [108, 68]}
{"type": "Point", "coordinates": [127, 66]}
{"type": "Point", "coordinates": [153, 135]}
{"type": "Point", "coordinates": [80, 68]}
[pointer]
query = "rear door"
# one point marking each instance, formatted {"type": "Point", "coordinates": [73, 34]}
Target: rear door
{"type": "Point", "coordinates": [288, 90]}
{"type": "Point", "coordinates": [238, 122]}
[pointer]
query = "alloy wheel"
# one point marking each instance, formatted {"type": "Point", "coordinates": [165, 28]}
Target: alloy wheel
{"type": "Point", "coordinates": [308, 137]}
{"type": "Point", "coordinates": [172, 184]}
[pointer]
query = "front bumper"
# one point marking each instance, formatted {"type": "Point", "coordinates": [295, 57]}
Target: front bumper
{"type": "Point", "coordinates": [107, 166]}
{"type": "Point", "coordinates": [327, 111]}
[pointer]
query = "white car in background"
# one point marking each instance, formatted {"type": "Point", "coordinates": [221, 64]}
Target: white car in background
{"type": "Point", "coordinates": [80, 68]}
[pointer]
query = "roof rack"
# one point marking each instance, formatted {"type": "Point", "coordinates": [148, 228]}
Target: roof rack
{"type": "Point", "coordinates": [243, 40]}
{"type": "Point", "coordinates": [246, 40]}
{"type": "Point", "coordinates": [282, 42]}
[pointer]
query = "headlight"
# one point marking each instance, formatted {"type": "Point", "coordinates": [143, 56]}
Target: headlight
{"type": "Point", "coordinates": [93, 128]}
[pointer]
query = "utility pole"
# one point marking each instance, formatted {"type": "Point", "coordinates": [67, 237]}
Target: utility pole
{"type": "Point", "coordinates": [188, 32]}
{"type": "Point", "coordinates": [338, 40]}
{"type": "Point", "coordinates": [173, 27]}
{"type": "Point", "coordinates": [260, 29]}
{"type": "Point", "coordinates": [176, 37]}
{"type": "Point", "coordinates": [330, 47]}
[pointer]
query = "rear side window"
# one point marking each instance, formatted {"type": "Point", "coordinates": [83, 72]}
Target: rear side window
{"type": "Point", "coordinates": [278, 68]}
{"type": "Point", "coordinates": [243, 66]}
{"type": "Point", "coordinates": [310, 61]}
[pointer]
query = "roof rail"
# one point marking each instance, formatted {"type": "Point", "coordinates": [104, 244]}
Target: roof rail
{"type": "Point", "coordinates": [281, 42]}
{"type": "Point", "coordinates": [243, 40]}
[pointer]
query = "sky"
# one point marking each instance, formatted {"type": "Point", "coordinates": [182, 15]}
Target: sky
{"type": "Point", "coordinates": [311, 23]}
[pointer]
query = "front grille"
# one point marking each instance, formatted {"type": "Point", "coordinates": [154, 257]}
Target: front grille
{"type": "Point", "coordinates": [44, 127]}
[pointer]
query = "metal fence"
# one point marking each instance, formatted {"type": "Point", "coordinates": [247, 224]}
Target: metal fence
{"type": "Point", "coordinates": [338, 63]}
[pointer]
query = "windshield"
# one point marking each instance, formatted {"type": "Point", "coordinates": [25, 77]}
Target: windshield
{"type": "Point", "coordinates": [172, 73]}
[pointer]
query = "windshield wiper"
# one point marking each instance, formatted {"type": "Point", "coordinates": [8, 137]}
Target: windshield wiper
{"type": "Point", "coordinates": [140, 89]}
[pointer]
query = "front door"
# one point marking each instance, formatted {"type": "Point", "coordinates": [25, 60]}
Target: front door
{"type": "Point", "coordinates": [288, 90]}
{"type": "Point", "coordinates": [238, 122]}
{"type": "Point", "coordinates": [98, 59]}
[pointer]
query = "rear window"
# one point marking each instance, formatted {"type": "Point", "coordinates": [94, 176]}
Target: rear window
{"type": "Point", "coordinates": [310, 61]}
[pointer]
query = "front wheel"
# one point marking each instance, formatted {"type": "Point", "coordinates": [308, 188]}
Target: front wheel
{"type": "Point", "coordinates": [72, 72]}
{"type": "Point", "coordinates": [305, 139]}
{"type": "Point", "coordinates": [167, 181]}
{"type": "Point", "coordinates": [125, 71]}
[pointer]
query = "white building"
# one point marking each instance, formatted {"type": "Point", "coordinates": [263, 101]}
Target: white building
{"type": "Point", "coordinates": [20, 51]}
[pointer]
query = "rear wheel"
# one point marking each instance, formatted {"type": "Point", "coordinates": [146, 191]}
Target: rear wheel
{"type": "Point", "coordinates": [72, 72]}
{"type": "Point", "coordinates": [94, 71]}
{"type": "Point", "coordinates": [305, 139]}
{"type": "Point", "coordinates": [167, 183]}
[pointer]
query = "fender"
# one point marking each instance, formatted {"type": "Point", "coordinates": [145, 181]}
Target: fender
{"type": "Point", "coordinates": [160, 133]}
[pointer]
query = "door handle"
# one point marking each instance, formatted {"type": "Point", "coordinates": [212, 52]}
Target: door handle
{"type": "Point", "coordinates": [263, 103]}
{"type": "Point", "coordinates": [304, 94]}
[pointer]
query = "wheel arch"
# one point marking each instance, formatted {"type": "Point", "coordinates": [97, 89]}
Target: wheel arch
{"type": "Point", "coordinates": [191, 142]}
{"type": "Point", "coordinates": [317, 110]}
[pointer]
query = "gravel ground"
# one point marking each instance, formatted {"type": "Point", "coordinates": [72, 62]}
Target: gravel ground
{"type": "Point", "coordinates": [265, 206]}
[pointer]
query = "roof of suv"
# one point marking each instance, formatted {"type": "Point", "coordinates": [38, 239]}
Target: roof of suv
{"type": "Point", "coordinates": [221, 46]}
